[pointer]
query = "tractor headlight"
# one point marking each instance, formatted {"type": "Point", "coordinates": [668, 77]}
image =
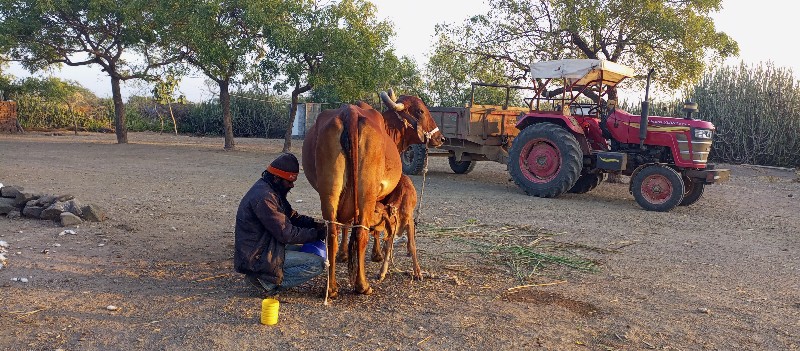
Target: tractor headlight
{"type": "Point", "coordinates": [703, 133]}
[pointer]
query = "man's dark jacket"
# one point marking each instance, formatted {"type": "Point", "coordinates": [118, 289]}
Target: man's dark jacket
{"type": "Point", "coordinates": [265, 223]}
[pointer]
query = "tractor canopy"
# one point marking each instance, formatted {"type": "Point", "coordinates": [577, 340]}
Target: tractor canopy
{"type": "Point", "coordinates": [581, 72]}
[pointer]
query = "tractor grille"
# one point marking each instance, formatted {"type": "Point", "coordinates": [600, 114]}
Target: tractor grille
{"type": "Point", "coordinates": [698, 153]}
{"type": "Point", "coordinates": [683, 146]}
{"type": "Point", "coordinates": [701, 148]}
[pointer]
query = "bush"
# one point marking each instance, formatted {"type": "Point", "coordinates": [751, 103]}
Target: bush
{"type": "Point", "coordinates": [756, 110]}
{"type": "Point", "coordinates": [252, 116]}
{"type": "Point", "coordinates": [34, 112]}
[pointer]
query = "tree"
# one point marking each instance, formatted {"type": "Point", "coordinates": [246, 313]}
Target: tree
{"type": "Point", "coordinates": [339, 47]}
{"type": "Point", "coordinates": [450, 73]}
{"type": "Point", "coordinates": [402, 75]}
{"type": "Point", "coordinates": [86, 32]}
{"type": "Point", "coordinates": [164, 94]}
{"type": "Point", "coordinates": [5, 80]}
{"type": "Point", "coordinates": [673, 37]}
{"type": "Point", "coordinates": [223, 38]}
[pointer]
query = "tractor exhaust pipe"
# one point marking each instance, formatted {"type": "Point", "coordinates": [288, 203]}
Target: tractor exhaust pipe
{"type": "Point", "coordinates": [645, 111]}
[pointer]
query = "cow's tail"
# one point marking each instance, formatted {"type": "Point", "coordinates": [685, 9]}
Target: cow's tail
{"type": "Point", "coordinates": [349, 143]}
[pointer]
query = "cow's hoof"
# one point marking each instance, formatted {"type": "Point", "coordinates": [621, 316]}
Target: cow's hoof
{"type": "Point", "coordinates": [377, 258]}
{"type": "Point", "coordinates": [368, 291]}
{"type": "Point", "coordinates": [341, 258]}
{"type": "Point", "coordinates": [333, 294]}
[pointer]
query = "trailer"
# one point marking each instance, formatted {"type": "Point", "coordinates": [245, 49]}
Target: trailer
{"type": "Point", "coordinates": [472, 133]}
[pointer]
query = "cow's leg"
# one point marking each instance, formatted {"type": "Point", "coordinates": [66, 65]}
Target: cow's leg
{"type": "Point", "coordinates": [387, 253]}
{"type": "Point", "coordinates": [333, 246]}
{"type": "Point", "coordinates": [342, 255]}
{"type": "Point", "coordinates": [377, 255]}
{"type": "Point", "coordinates": [356, 267]}
{"type": "Point", "coordinates": [329, 206]}
{"type": "Point", "coordinates": [412, 247]}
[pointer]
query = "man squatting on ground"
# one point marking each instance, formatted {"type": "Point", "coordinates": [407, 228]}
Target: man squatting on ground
{"type": "Point", "coordinates": [267, 227]}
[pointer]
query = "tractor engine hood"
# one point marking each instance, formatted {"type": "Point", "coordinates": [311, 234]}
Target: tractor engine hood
{"type": "Point", "coordinates": [663, 121]}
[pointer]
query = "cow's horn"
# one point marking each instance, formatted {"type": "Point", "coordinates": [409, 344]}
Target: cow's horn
{"type": "Point", "coordinates": [392, 95]}
{"type": "Point", "coordinates": [389, 102]}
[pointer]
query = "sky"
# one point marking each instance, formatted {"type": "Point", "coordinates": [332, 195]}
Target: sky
{"type": "Point", "coordinates": [759, 28]}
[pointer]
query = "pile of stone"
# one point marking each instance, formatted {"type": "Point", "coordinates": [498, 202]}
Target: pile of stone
{"type": "Point", "coordinates": [3, 254]}
{"type": "Point", "coordinates": [64, 209]}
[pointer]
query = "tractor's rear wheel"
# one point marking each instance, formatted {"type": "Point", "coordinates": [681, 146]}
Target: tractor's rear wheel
{"type": "Point", "coordinates": [414, 159]}
{"type": "Point", "coordinates": [587, 183]}
{"type": "Point", "coordinates": [693, 191]}
{"type": "Point", "coordinates": [461, 167]}
{"type": "Point", "coordinates": [545, 160]}
{"type": "Point", "coordinates": [657, 188]}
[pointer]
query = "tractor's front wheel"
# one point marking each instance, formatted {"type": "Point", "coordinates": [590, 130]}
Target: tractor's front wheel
{"type": "Point", "coordinates": [545, 160]}
{"type": "Point", "coordinates": [657, 188]}
{"type": "Point", "coordinates": [693, 191]}
{"type": "Point", "coordinates": [414, 159]}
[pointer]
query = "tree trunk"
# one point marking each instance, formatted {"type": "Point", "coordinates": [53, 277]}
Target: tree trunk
{"type": "Point", "coordinates": [119, 112]}
{"type": "Point", "coordinates": [174, 123]}
{"type": "Point", "coordinates": [225, 101]}
{"type": "Point", "coordinates": [287, 139]}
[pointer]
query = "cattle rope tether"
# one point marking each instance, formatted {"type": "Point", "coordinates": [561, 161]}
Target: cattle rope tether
{"type": "Point", "coordinates": [422, 190]}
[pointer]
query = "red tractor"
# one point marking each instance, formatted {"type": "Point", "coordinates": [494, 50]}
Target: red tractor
{"type": "Point", "coordinates": [571, 138]}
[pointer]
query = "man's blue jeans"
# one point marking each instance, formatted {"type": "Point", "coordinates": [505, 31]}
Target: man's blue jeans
{"type": "Point", "coordinates": [298, 267]}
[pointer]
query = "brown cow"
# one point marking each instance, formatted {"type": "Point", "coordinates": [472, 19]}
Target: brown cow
{"type": "Point", "coordinates": [351, 157]}
{"type": "Point", "coordinates": [395, 215]}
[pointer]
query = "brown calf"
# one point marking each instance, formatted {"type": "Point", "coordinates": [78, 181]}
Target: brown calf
{"type": "Point", "coordinates": [395, 216]}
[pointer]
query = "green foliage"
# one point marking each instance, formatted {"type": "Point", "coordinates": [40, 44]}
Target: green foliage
{"type": "Point", "coordinates": [5, 81]}
{"type": "Point", "coordinates": [52, 103]}
{"type": "Point", "coordinates": [673, 37]}
{"type": "Point", "coordinates": [35, 112]}
{"type": "Point", "coordinates": [222, 36]}
{"type": "Point", "coordinates": [165, 89]}
{"type": "Point", "coordinates": [450, 72]}
{"type": "Point", "coordinates": [164, 94]}
{"type": "Point", "coordinates": [340, 48]}
{"type": "Point", "coordinates": [254, 115]}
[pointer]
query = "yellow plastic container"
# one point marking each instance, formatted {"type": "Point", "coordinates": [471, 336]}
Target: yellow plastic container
{"type": "Point", "coordinates": [269, 311]}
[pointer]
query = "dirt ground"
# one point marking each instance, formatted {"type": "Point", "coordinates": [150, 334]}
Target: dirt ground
{"type": "Point", "coordinates": [719, 275]}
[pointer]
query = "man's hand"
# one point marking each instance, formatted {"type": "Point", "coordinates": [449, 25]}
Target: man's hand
{"type": "Point", "coordinates": [322, 233]}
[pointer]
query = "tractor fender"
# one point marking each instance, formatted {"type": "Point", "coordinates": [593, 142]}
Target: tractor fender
{"type": "Point", "coordinates": [566, 121]}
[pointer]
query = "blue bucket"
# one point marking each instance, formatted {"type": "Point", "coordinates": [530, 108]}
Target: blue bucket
{"type": "Point", "coordinates": [315, 247]}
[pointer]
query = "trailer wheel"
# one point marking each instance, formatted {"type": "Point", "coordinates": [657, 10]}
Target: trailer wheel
{"type": "Point", "coordinates": [657, 188]}
{"type": "Point", "coordinates": [693, 191]}
{"type": "Point", "coordinates": [545, 160]}
{"type": "Point", "coordinates": [414, 159]}
{"type": "Point", "coordinates": [461, 167]}
{"type": "Point", "coordinates": [587, 183]}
